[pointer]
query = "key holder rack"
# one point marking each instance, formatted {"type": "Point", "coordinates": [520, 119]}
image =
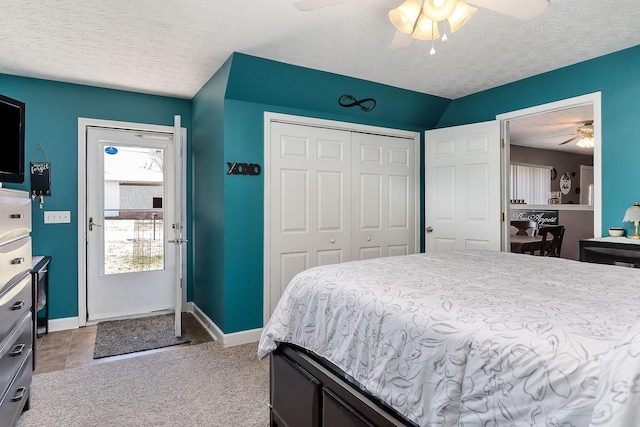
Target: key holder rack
{"type": "Point", "coordinates": [40, 177]}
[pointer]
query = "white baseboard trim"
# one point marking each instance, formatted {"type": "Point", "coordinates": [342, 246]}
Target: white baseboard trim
{"type": "Point", "coordinates": [63, 324]}
{"type": "Point", "coordinates": [227, 340]}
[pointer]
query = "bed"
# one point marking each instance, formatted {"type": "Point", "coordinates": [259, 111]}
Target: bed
{"type": "Point", "coordinates": [457, 339]}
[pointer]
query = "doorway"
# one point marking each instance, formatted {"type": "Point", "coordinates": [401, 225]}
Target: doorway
{"type": "Point", "coordinates": [580, 200]}
{"type": "Point", "coordinates": [127, 207]}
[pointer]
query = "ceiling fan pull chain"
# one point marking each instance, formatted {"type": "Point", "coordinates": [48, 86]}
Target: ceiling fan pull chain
{"type": "Point", "coordinates": [444, 31]}
{"type": "Point", "coordinates": [433, 50]}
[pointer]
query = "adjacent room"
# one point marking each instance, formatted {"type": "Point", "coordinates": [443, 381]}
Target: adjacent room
{"type": "Point", "coordinates": [319, 212]}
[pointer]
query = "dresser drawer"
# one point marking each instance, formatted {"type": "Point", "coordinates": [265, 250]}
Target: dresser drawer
{"type": "Point", "coordinates": [15, 302]}
{"type": "Point", "coordinates": [17, 396]}
{"type": "Point", "coordinates": [15, 217]}
{"type": "Point", "coordinates": [14, 350]}
{"type": "Point", "coordinates": [15, 260]}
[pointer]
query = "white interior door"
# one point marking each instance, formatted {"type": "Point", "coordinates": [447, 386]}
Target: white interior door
{"type": "Point", "coordinates": [310, 201]}
{"type": "Point", "coordinates": [384, 194]}
{"type": "Point", "coordinates": [462, 199]}
{"type": "Point", "coordinates": [131, 267]}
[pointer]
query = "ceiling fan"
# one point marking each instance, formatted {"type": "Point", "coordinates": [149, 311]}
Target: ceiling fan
{"type": "Point", "coordinates": [584, 135]}
{"type": "Point", "coordinates": [418, 19]}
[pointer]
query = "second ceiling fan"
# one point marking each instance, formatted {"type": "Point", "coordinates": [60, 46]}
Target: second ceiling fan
{"type": "Point", "coordinates": [584, 135]}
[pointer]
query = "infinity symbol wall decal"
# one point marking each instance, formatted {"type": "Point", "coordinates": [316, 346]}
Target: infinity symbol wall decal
{"type": "Point", "coordinates": [350, 101]}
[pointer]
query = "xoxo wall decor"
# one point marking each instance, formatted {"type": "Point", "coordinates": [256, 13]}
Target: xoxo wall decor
{"type": "Point", "coordinates": [236, 168]}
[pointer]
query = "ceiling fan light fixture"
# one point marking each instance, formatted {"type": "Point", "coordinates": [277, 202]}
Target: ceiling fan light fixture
{"type": "Point", "coordinates": [586, 141]}
{"type": "Point", "coordinates": [461, 15]}
{"type": "Point", "coordinates": [438, 10]}
{"type": "Point", "coordinates": [426, 29]}
{"type": "Point", "coordinates": [404, 16]}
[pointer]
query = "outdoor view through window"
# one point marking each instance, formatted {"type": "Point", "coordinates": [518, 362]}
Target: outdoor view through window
{"type": "Point", "coordinates": [133, 209]}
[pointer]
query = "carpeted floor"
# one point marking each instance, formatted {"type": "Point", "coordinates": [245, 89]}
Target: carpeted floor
{"type": "Point", "coordinates": [200, 385]}
{"type": "Point", "coordinates": [117, 337]}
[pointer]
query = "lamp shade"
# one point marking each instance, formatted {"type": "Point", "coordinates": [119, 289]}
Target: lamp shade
{"type": "Point", "coordinates": [426, 29]}
{"type": "Point", "coordinates": [586, 142]}
{"type": "Point", "coordinates": [404, 16]}
{"type": "Point", "coordinates": [438, 10]}
{"type": "Point", "coordinates": [633, 213]}
{"type": "Point", "coordinates": [460, 15]}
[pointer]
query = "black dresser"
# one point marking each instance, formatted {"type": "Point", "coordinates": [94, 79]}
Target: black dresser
{"type": "Point", "coordinates": [611, 250]}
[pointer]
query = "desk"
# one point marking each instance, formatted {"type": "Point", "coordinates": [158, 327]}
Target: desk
{"type": "Point", "coordinates": [522, 244]}
{"type": "Point", "coordinates": [611, 250]}
{"type": "Point", "coordinates": [40, 289]}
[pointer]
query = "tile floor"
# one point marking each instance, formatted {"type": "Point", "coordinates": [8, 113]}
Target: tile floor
{"type": "Point", "coordinates": [56, 351]}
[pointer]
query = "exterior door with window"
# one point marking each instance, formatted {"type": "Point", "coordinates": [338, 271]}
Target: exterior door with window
{"type": "Point", "coordinates": [131, 267]}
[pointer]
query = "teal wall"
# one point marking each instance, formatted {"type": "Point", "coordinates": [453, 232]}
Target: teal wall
{"type": "Point", "coordinates": [225, 122]}
{"type": "Point", "coordinates": [253, 86]}
{"type": "Point", "coordinates": [208, 195]}
{"type": "Point", "coordinates": [52, 111]}
{"type": "Point", "coordinates": [617, 77]}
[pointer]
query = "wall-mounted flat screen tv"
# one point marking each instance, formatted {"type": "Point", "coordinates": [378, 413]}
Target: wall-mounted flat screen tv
{"type": "Point", "coordinates": [11, 140]}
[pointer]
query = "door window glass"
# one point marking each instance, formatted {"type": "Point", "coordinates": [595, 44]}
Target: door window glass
{"type": "Point", "coordinates": [133, 209]}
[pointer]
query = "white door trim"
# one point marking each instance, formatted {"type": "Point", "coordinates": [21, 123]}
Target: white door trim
{"type": "Point", "coordinates": [270, 117]}
{"type": "Point", "coordinates": [83, 124]}
{"type": "Point", "coordinates": [594, 99]}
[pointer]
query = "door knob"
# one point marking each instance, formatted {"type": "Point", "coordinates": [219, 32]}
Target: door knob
{"type": "Point", "coordinates": [368, 238]}
{"type": "Point", "coordinates": [429, 229]}
{"type": "Point", "coordinates": [91, 224]}
{"type": "Point", "coordinates": [332, 240]}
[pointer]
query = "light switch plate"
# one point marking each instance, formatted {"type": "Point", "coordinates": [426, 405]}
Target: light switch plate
{"type": "Point", "coordinates": [57, 217]}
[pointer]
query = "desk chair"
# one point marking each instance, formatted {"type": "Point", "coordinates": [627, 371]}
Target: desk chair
{"type": "Point", "coordinates": [524, 226]}
{"type": "Point", "coordinates": [552, 246]}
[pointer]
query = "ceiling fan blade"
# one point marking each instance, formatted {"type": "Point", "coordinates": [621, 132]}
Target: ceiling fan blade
{"type": "Point", "coordinates": [569, 140]}
{"type": "Point", "coordinates": [316, 4]}
{"type": "Point", "coordinates": [521, 9]}
{"type": "Point", "coordinates": [401, 40]}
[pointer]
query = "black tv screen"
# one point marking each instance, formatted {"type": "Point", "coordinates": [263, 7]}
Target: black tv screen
{"type": "Point", "coordinates": [11, 140]}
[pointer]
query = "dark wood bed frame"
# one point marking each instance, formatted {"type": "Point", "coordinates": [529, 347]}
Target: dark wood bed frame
{"type": "Point", "coordinates": [308, 391]}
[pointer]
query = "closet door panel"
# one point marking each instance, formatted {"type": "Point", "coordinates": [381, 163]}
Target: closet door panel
{"type": "Point", "coordinates": [309, 204]}
{"type": "Point", "coordinates": [384, 167]}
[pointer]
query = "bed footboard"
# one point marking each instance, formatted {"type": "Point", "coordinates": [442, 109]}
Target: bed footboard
{"type": "Point", "coordinates": [305, 393]}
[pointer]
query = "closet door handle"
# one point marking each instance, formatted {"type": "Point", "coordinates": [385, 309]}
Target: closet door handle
{"type": "Point", "coordinates": [19, 394]}
{"type": "Point", "coordinates": [17, 350]}
{"type": "Point", "coordinates": [17, 305]}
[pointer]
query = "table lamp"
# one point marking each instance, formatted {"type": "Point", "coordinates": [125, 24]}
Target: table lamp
{"type": "Point", "coordinates": [633, 215]}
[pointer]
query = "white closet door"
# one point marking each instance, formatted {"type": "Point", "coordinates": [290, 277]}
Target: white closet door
{"type": "Point", "coordinates": [310, 203]}
{"type": "Point", "coordinates": [384, 195]}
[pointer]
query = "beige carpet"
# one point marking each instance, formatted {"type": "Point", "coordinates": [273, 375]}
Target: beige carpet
{"type": "Point", "coordinates": [200, 385]}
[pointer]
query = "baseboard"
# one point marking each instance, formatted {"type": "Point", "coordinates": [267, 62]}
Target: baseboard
{"type": "Point", "coordinates": [63, 324]}
{"type": "Point", "coordinates": [227, 340]}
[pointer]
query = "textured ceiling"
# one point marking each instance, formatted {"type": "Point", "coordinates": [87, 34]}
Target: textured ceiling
{"type": "Point", "coordinates": [172, 47]}
{"type": "Point", "coordinates": [549, 130]}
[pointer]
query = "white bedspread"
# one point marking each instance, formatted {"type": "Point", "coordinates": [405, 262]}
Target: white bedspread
{"type": "Point", "coordinates": [477, 338]}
